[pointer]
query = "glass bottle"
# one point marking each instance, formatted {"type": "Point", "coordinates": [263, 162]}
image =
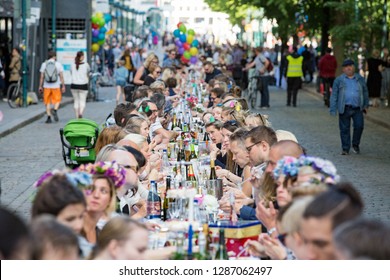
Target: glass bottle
{"type": "Point", "coordinates": [213, 173]}
{"type": "Point", "coordinates": [179, 254]}
{"type": "Point", "coordinates": [221, 251]}
{"type": "Point", "coordinates": [192, 153]}
{"type": "Point", "coordinates": [153, 206]}
{"type": "Point", "coordinates": [165, 166]}
{"type": "Point", "coordinates": [178, 177]}
{"type": "Point", "coordinates": [191, 176]}
{"type": "Point", "coordinates": [165, 214]}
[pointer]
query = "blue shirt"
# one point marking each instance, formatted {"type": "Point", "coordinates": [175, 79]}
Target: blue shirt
{"type": "Point", "coordinates": [352, 96]}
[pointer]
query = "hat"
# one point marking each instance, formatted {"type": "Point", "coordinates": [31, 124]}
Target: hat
{"type": "Point", "coordinates": [348, 62]}
{"type": "Point", "coordinates": [285, 135]}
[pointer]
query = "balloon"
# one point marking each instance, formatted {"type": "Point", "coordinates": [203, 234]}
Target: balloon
{"type": "Point", "coordinates": [95, 26]}
{"type": "Point", "coordinates": [183, 38]}
{"type": "Point", "coordinates": [94, 19]}
{"type": "Point", "coordinates": [176, 33]}
{"type": "Point", "coordinates": [182, 28]}
{"type": "Point", "coordinates": [193, 51]}
{"type": "Point", "coordinates": [195, 43]}
{"type": "Point", "coordinates": [95, 39]}
{"type": "Point", "coordinates": [99, 15]}
{"type": "Point", "coordinates": [101, 36]}
{"type": "Point", "coordinates": [155, 40]}
{"type": "Point", "coordinates": [186, 46]}
{"type": "Point", "coordinates": [95, 47]}
{"type": "Point", "coordinates": [193, 59]}
{"type": "Point", "coordinates": [190, 39]}
{"type": "Point", "coordinates": [178, 25]}
{"type": "Point", "coordinates": [187, 54]}
{"type": "Point", "coordinates": [191, 32]}
{"type": "Point", "coordinates": [107, 17]}
{"type": "Point", "coordinates": [103, 30]}
{"type": "Point", "coordinates": [95, 32]}
{"type": "Point", "coordinates": [101, 42]}
{"type": "Point", "coordinates": [184, 60]}
{"type": "Point", "coordinates": [178, 43]}
{"type": "Point", "coordinates": [154, 33]}
{"type": "Point", "coordinates": [110, 32]}
{"type": "Point", "coordinates": [181, 50]}
{"type": "Point", "coordinates": [101, 22]}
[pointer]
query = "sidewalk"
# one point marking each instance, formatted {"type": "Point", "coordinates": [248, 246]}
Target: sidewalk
{"type": "Point", "coordinates": [379, 115]}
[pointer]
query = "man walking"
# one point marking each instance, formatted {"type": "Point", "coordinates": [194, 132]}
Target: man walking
{"type": "Point", "coordinates": [261, 63]}
{"type": "Point", "coordinates": [294, 76]}
{"type": "Point", "coordinates": [350, 98]}
{"type": "Point", "coordinates": [50, 84]}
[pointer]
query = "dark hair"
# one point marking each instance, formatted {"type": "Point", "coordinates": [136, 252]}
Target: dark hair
{"type": "Point", "coordinates": [216, 124]}
{"type": "Point", "coordinates": [46, 231]}
{"type": "Point", "coordinates": [159, 100]}
{"type": "Point", "coordinates": [171, 82]}
{"type": "Point", "coordinates": [364, 238]}
{"type": "Point", "coordinates": [51, 54]}
{"type": "Point", "coordinates": [140, 92]}
{"type": "Point", "coordinates": [262, 133]}
{"type": "Point", "coordinates": [231, 125]}
{"type": "Point", "coordinates": [121, 112]}
{"type": "Point", "coordinates": [14, 234]}
{"type": "Point", "coordinates": [218, 92]}
{"type": "Point", "coordinates": [77, 59]}
{"type": "Point", "coordinates": [139, 157]}
{"type": "Point", "coordinates": [341, 202]}
{"type": "Point", "coordinates": [54, 195]}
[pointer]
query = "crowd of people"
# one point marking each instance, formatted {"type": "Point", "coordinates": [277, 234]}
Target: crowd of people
{"type": "Point", "coordinates": [99, 210]}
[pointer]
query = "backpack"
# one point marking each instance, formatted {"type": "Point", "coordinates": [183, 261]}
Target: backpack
{"type": "Point", "coordinates": [51, 75]}
{"type": "Point", "coordinates": [270, 65]}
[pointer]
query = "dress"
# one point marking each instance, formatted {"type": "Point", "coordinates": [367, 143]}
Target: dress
{"type": "Point", "coordinates": [374, 79]}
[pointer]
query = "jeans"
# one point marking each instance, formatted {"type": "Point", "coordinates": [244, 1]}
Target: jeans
{"type": "Point", "coordinates": [356, 115]}
{"type": "Point", "coordinates": [264, 91]}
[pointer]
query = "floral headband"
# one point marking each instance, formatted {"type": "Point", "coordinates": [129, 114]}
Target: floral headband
{"type": "Point", "coordinates": [109, 169]}
{"type": "Point", "coordinates": [76, 178]}
{"type": "Point", "coordinates": [289, 166]}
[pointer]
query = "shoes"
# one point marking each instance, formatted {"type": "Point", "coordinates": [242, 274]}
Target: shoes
{"type": "Point", "coordinates": [294, 105]}
{"type": "Point", "coordinates": [48, 120]}
{"type": "Point", "coordinates": [80, 116]}
{"type": "Point", "coordinates": [288, 105]}
{"type": "Point", "coordinates": [344, 153]}
{"type": "Point", "coordinates": [54, 113]}
{"type": "Point", "coordinates": [356, 149]}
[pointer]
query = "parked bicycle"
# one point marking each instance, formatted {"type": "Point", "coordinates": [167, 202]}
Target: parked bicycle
{"type": "Point", "coordinates": [14, 93]}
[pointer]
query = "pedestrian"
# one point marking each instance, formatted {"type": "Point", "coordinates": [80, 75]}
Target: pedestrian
{"type": "Point", "coordinates": [80, 78]}
{"type": "Point", "coordinates": [294, 76]}
{"type": "Point", "coordinates": [52, 85]}
{"type": "Point", "coordinates": [129, 65]}
{"type": "Point", "coordinates": [120, 75]}
{"type": "Point", "coordinates": [350, 98]}
{"type": "Point", "coordinates": [327, 71]}
{"type": "Point", "coordinates": [374, 66]}
{"type": "Point", "coordinates": [261, 63]}
{"type": "Point", "coordinates": [15, 66]}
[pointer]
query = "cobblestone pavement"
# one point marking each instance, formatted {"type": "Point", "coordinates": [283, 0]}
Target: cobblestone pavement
{"type": "Point", "coordinates": [30, 151]}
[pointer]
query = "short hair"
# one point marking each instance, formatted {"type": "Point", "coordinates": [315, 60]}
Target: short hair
{"type": "Point", "coordinates": [171, 82]}
{"type": "Point", "coordinates": [159, 100]}
{"type": "Point", "coordinates": [51, 54]}
{"type": "Point", "coordinates": [363, 238]}
{"type": "Point", "coordinates": [136, 138]}
{"type": "Point", "coordinates": [239, 136]}
{"type": "Point", "coordinates": [341, 203]}
{"type": "Point", "coordinates": [140, 92]}
{"type": "Point", "coordinates": [14, 234]}
{"type": "Point", "coordinates": [121, 111]}
{"type": "Point", "coordinates": [49, 234]}
{"type": "Point", "coordinates": [262, 133]}
{"type": "Point", "coordinates": [218, 92]}
{"type": "Point", "coordinates": [207, 63]}
{"type": "Point", "coordinates": [216, 124]}
{"type": "Point", "coordinates": [56, 193]}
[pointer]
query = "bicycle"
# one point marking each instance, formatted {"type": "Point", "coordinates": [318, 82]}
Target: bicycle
{"type": "Point", "coordinates": [14, 93]}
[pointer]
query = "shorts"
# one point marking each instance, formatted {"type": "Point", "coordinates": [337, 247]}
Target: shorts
{"type": "Point", "coordinates": [51, 95]}
{"type": "Point", "coordinates": [120, 83]}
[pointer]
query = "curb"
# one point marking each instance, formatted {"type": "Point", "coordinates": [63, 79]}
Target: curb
{"type": "Point", "coordinates": [29, 120]}
{"type": "Point", "coordinates": [368, 117]}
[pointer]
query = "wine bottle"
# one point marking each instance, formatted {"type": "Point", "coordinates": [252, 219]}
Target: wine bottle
{"type": "Point", "coordinates": [191, 176]}
{"type": "Point", "coordinates": [153, 206]}
{"type": "Point", "coordinates": [213, 173]}
{"type": "Point", "coordinates": [221, 251]}
{"type": "Point", "coordinates": [165, 214]}
{"type": "Point", "coordinates": [192, 153]}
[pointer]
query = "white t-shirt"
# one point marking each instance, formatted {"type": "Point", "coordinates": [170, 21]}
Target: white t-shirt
{"type": "Point", "coordinates": [80, 76]}
{"type": "Point", "coordinates": [60, 69]}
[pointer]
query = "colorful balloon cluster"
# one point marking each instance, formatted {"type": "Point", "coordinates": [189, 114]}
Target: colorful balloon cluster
{"type": "Point", "coordinates": [99, 29]}
{"type": "Point", "coordinates": [186, 43]}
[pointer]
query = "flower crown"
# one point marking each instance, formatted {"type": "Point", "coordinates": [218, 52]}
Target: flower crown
{"type": "Point", "coordinates": [110, 169]}
{"type": "Point", "coordinates": [76, 178]}
{"type": "Point", "coordinates": [289, 166]}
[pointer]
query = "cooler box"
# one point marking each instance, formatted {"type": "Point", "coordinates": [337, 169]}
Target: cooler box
{"type": "Point", "coordinates": [236, 234]}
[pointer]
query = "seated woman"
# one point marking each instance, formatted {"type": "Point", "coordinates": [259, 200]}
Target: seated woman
{"type": "Point", "coordinates": [121, 239]}
{"type": "Point", "coordinates": [155, 72]}
{"type": "Point", "coordinates": [100, 197]}
{"type": "Point", "coordinates": [256, 119]}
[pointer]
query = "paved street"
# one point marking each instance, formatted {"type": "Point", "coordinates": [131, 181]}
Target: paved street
{"type": "Point", "coordinates": [36, 148]}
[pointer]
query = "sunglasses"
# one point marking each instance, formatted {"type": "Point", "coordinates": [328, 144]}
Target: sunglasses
{"type": "Point", "coordinates": [158, 72]}
{"type": "Point", "coordinates": [232, 122]}
{"type": "Point", "coordinates": [251, 146]}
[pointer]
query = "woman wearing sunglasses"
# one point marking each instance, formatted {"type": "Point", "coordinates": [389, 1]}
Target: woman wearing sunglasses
{"type": "Point", "coordinates": [155, 72]}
